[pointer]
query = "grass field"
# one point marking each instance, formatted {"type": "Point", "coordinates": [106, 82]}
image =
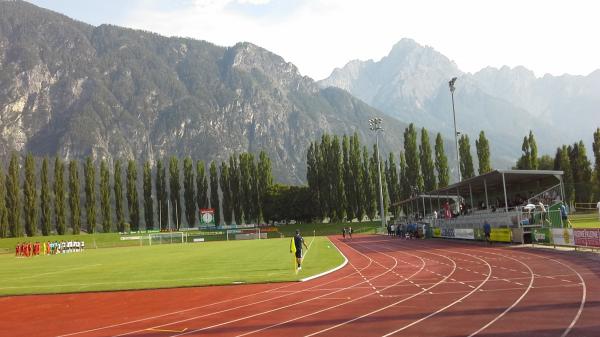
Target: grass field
{"type": "Point", "coordinates": [585, 220]}
{"type": "Point", "coordinates": [164, 266]}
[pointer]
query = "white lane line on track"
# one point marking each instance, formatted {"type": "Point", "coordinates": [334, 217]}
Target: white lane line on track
{"type": "Point", "coordinates": [338, 305]}
{"type": "Point", "coordinates": [209, 305]}
{"type": "Point", "coordinates": [290, 305]}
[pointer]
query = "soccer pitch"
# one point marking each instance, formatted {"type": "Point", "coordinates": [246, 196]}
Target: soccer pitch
{"type": "Point", "coordinates": [165, 266]}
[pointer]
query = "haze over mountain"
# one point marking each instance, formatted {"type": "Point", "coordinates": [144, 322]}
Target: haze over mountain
{"type": "Point", "coordinates": [411, 84]}
{"type": "Point", "coordinates": [76, 90]}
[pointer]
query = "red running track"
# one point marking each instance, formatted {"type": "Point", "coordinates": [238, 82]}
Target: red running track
{"type": "Point", "coordinates": [390, 287]}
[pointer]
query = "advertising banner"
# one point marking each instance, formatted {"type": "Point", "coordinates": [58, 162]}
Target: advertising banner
{"type": "Point", "coordinates": [562, 236]}
{"type": "Point", "coordinates": [207, 216]}
{"type": "Point", "coordinates": [541, 235]}
{"type": "Point", "coordinates": [501, 235]}
{"type": "Point", "coordinates": [448, 233]}
{"type": "Point", "coordinates": [464, 233]}
{"type": "Point", "coordinates": [587, 237]}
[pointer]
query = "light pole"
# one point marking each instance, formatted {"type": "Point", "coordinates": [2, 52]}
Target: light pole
{"type": "Point", "coordinates": [375, 125]}
{"type": "Point", "coordinates": [451, 84]}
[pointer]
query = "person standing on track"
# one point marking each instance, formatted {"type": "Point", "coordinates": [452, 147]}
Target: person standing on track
{"type": "Point", "coordinates": [598, 207]}
{"type": "Point", "coordinates": [299, 242]}
{"type": "Point", "coordinates": [487, 231]}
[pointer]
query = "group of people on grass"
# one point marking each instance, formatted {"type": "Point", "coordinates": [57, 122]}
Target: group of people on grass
{"type": "Point", "coordinates": [29, 249]}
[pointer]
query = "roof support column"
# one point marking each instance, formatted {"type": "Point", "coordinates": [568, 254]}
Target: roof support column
{"type": "Point", "coordinates": [487, 204]}
{"type": "Point", "coordinates": [424, 210]}
{"type": "Point", "coordinates": [471, 195]}
{"type": "Point", "coordinates": [505, 197]}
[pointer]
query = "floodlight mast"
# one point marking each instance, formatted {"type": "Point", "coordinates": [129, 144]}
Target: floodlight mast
{"type": "Point", "coordinates": [451, 85]}
{"type": "Point", "coordinates": [375, 125]}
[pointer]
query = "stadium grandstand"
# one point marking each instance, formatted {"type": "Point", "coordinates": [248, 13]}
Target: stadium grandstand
{"type": "Point", "coordinates": [513, 202]}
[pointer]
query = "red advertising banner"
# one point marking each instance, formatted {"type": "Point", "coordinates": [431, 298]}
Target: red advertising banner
{"type": "Point", "coordinates": [587, 237]}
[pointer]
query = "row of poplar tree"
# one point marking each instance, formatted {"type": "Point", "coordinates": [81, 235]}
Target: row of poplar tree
{"type": "Point", "coordinates": [343, 179]}
{"type": "Point", "coordinates": [343, 176]}
{"type": "Point", "coordinates": [242, 182]}
{"type": "Point", "coordinates": [581, 180]}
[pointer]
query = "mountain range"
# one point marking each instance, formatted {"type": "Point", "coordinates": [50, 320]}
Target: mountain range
{"type": "Point", "coordinates": [411, 84]}
{"type": "Point", "coordinates": [74, 90]}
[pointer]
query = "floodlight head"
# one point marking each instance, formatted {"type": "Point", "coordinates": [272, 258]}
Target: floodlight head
{"type": "Point", "coordinates": [451, 83]}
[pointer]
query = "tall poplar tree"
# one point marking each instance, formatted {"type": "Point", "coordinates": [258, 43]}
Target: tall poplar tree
{"type": "Point", "coordinates": [483, 153]}
{"type": "Point", "coordinates": [427, 167]}
{"type": "Point", "coordinates": [265, 181]}
{"type": "Point", "coordinates": [105, 197]}
{"type": "Point", "coordinates": [337, 180]}
{"type": "Point", "coordinates": [133, 204]}
{"type": "Point", "coordinates": [563, 163]}
{"type": "Point", "coordinates": [441, 162]}
{"type": "Point", "coordinates": [175, 191]}
{"type": "Point", "coordinates": [466, 160]}
{"type": "Point", "coordinates": [413, 165]}
{"type": "Point", "coordinates": [161, 195]}
{"type": "Point", "coordinates": [74, 197]}
{"type": "Point", "coordinates": [118, 190]}
{"type": "Point", "coordinates": [357, 177]}
{"type": "Point", "coordinates": [59, 196]}
{"type": "Point", "coordinates": [533, 152]}
{"type": "Point", "coordinates": [90, 194]}
{"type": "Point", "coordinates": [392, 180]}
{"type": "Point", "coordinates": [201, 185]}
{"type": "Point", "coordinates": [3, 210]}
{"type": "Point", "coordinates": [596, 148]}
{"type": "Point", "coordinates": [189, 194]}
{"type": "Point", "coordinates": [46, 218]}
{"type": "Point", "coordinates": [325, 191]}
{"type": "Point", "coordinates": [214, 192]}
{"type": "Point", "coordinates": [12, 197]}
{"type": "Point", "coordinates": [582, 173]}
{"type": "Point", "coordinates": [312, 176]}
{"type": "Point", "coordinates": [234, 187]}
{"type": "Point", "coordinates": [30, 196]}
{"type": "Point", "coordinates": [369, 188]}
{"type": "Point", "coordinates": [226, 193]}
{"type": "Point", "coordinates": [405, 191]}
{"type": "Point", "coordinates": [348, 178]}
{"type": "Point", "coordinates": [148, 205]}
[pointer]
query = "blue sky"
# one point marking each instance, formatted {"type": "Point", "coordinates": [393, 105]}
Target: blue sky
{"type": "Point", "coordinates": [551, 36]}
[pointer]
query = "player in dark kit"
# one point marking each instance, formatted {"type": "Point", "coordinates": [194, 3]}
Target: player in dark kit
{"type": "Point", "coordinates": [299, 242]}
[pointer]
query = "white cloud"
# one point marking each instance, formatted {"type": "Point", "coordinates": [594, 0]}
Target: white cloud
{"type": "Point", "coordinates": [550, 36]}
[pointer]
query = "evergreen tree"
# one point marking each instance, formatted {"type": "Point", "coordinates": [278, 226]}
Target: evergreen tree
{"type": "Point", "coordinates": [582, 173]}
{"type": "Point", "coordinates": [563, 163]}
{"type": "Point", "coordinates": [348, 178]}
{"type": "Point", "coordinates": [533, 152]}
{"type": "Point", "coordinates": [466, 160]}
{"type": "Point", "coordinates": [357, 178]}
{"type": "Point", "coordinates": [46, 219]}
{"type": "Point", "coordinates": [201, 185]}
{"type": "Point", "coordinates": [118, 189]}
{"type": "Point", "coordinates": [411, 154]}
{"type": "Point", "coordinates": [105, 197]}
{"type": "Point", "coordinates": [441, 162]}
{"type": "Point", "coordinates": [483, 153]}
{"type": "Point", "coordinates": [3, 210]}
{"type": "Point", "coordinates": [133, 204]}
{"type": "Point", "coordinates": [235, 188]}
{"type": "Point", "coordinates": [214, 192]}
{"type": "Point", "coordinates": [12, 197]}
{"type": "Point", "coordinates": [59, 196]}
{"type": "Point", "coordinates": [265, 181]}
{"type": "Point", "coordinates": [392, 180]}
{"type": "Point", "coordinates": [226, 193]}
{"type": "Point", "coordinates": [161, 195]}
{"type": "Point", "coordinates": [90, 194]}
{"type": "Point", "coordinates": [74, 197]}
{"type": "Point", "coordinates": [596, 148]}
{"type": "Point", "coordinates": [337, 180]}
{"type": "Point", "coordinates": [405, 190]}
{"type": "Point", "coordinates": [175, 191]}
{"type": "Point", "coordinates": [189, 194]}
{"type": "Point", "coordinates": [427, 167]}
{"type": "Point", "coordinates": [148, 205]}
{"type": "Point", "coordinates": [30, 194]}
{"type": "Point", "coordinates": [370, 195]}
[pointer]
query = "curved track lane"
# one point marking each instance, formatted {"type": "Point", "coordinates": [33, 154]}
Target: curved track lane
{"type": "Point", "coordinates": [390, 287]}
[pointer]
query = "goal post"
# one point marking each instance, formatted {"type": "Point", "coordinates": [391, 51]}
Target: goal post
{"type": "Point", "coordinates": [166, 238]}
